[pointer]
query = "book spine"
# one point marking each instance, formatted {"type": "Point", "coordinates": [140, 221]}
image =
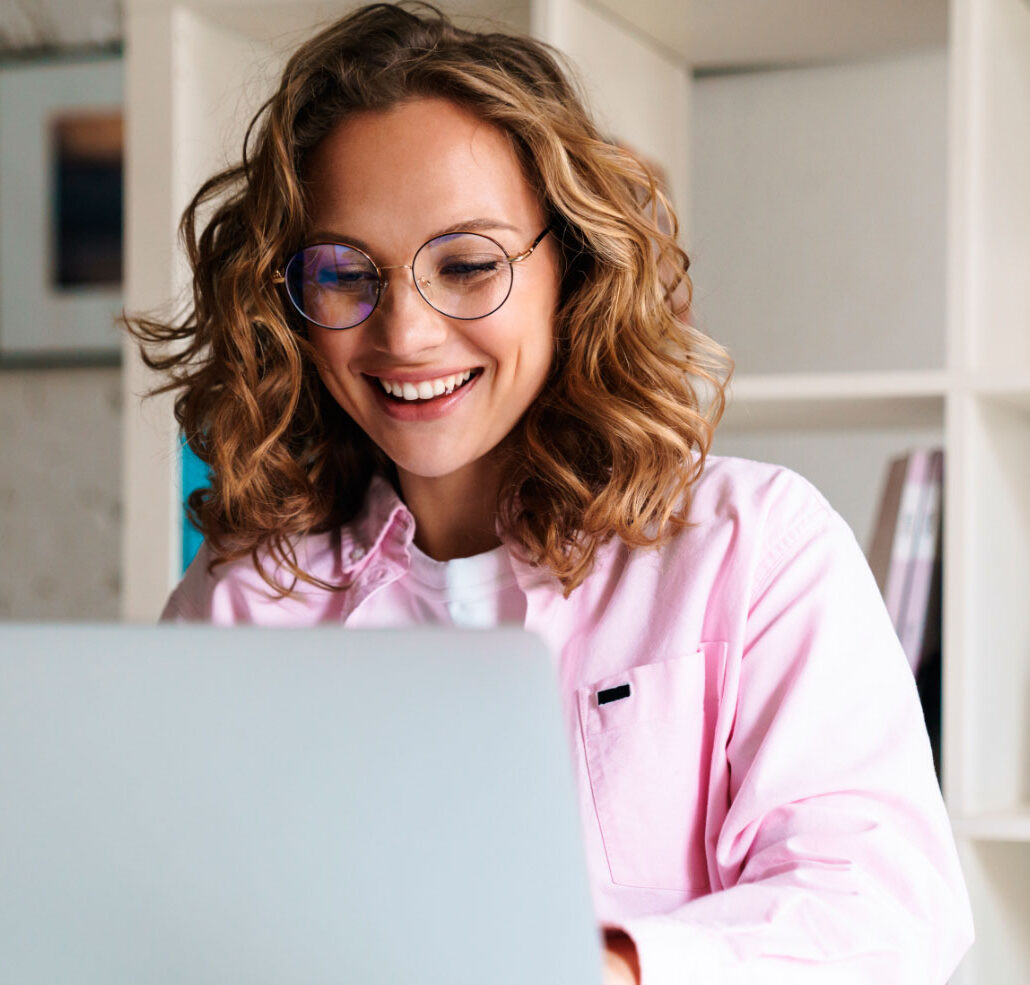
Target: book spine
{"type": "Point", "coordinates": [924, 554]}
{"type": "Point", "coordinates": [896, 589]}
{"type": "Point", "coordinates": [879, 553]}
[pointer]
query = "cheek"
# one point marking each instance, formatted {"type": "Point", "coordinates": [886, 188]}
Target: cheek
{"type": "Point", "coordinates": [522, 348]}
{"type": "Point", "coordinates": [526, 337]}
{"type": "Point", "coordinates": [538, 350]}
{"type": "Point", "coordinates": [335, 349]}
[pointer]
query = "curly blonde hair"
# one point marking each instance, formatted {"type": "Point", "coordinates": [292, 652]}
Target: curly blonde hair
{"type": "Point", "coordinates": [608, 447]}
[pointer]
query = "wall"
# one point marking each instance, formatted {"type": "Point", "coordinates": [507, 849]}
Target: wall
{"type": "Point", "coordinates": [60, 429]}
{"type": "Point", "coordinates": [819, 204]}
{"type": "Point", "coordinates": [60, 493]}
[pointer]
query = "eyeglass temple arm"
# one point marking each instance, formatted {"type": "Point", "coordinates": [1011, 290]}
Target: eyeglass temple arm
{"type": "Point", "coordinates": [532, 246]}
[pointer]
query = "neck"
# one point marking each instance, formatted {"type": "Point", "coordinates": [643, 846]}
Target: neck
{"type": "Point", "coordinates": [456, 514]}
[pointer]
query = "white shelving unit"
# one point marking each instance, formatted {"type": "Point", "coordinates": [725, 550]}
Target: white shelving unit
{"type": "Point", "coordinates": [196, 68]}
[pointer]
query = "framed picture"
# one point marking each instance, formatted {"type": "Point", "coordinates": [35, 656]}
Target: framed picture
{"type": "Point", "coordinates": [61, 210]}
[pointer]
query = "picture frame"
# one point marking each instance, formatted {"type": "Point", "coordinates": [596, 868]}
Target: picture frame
{"type": "Point", "coordinates": [61, 204]}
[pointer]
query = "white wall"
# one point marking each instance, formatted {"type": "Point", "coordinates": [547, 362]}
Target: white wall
{"type": "Point", "coordinates": [60, 445]}
{"type": "Point", "coordinates": [60, 493]}
{"type": "Point", "coordinates": [818, 206]}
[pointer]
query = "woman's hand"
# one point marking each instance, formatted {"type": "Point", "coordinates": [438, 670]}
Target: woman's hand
{"type": "Point", "coordinates": [621, 966]}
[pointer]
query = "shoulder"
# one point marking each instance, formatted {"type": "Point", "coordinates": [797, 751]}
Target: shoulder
{"type": "Point", "coordinates": [744, 516]}
{"type": "Point", "coordinates": [760, 496]}
{"type": "Point", "coordinates": [749, 486]}
{"type": "Point", "coordinates": [231, 592]}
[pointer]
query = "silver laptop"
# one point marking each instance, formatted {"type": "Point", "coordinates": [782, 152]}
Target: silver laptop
{"type": "Point", "coordinates": [287, 807]}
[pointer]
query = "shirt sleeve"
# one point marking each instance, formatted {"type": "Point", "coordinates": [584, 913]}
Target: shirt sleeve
{"type": "Point", "coordinates": [836, 857]}
{"type": "Point", "coordinates": [189, 600]}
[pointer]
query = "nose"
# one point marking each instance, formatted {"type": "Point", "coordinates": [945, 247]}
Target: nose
{"type": "Point", "coordinates": [403, 323]}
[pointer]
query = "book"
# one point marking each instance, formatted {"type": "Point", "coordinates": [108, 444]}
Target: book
{"type": "Point", "coordinates": [915, 467]}
{"type": "Point", "coordinates": [904, 554]}
{"type": "Point", "coordinates": [879, 553]}
{"type": "Point", "coordinates": [914, 629]}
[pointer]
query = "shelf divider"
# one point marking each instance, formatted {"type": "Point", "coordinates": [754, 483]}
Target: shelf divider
{"type": "Point", "coordinates": [836, 400]}
{"type": "Point", "coordinates": [1009, 825]}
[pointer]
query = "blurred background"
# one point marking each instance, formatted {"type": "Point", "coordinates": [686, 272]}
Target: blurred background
{"type": "Point", "coordinates": [805, 148]}
{"type": "Point", "coordinates": [851, 185]}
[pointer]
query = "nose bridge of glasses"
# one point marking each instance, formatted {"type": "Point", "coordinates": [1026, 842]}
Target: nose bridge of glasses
{"type": "Point", "coordinates": [385, 281]}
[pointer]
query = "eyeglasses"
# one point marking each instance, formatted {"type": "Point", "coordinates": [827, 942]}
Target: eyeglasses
{"type": "Point", "coordinates": [461, 275]}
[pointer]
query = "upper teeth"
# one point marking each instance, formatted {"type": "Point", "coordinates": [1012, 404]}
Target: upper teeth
{"type": "Point", "coordinates": [424, 389]}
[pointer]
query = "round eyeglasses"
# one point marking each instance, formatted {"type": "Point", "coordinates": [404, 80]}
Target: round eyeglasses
{"type": "Point", "coordinates": [462, 275]}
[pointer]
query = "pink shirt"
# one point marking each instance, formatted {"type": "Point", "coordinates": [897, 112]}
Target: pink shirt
{"type": "Point", "coordinates": [763, 807]}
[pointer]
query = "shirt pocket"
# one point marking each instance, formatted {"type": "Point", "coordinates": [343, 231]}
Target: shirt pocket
{"type": "Point", "coordinates": [648, 734]}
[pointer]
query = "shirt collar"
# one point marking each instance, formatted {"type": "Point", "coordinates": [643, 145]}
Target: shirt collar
{"type": "Point", "coordinates": [383, 516]}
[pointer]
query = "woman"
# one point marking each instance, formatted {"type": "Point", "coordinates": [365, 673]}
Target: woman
{"type": "Point", "coordinates": [440, 365]}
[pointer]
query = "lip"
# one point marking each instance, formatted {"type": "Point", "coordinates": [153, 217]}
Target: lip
{"type": "Point", "coordinates": [416, 410]}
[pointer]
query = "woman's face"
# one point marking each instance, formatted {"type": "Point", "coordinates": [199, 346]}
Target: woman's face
{"type": "Point", "coordinates": [388, 182]}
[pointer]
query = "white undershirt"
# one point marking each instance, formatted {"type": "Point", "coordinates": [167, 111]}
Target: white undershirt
{"type": "Point", "coordinates": [477, 592]}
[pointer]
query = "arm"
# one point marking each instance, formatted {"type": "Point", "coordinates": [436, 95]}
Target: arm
{"type": "Point", "coordinates": [836, 862]}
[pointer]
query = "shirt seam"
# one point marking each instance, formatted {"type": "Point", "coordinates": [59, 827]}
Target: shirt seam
{"type": "Point", "coordinates": [777, 556]}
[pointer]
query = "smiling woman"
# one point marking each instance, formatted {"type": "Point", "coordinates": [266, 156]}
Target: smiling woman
{"type": "Point", "coordinates": [440, 365]}
{"type": "Point", "coordinates": [331, 285]}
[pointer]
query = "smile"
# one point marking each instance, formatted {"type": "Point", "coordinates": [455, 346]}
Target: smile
{"type": "Point", "coordinates": [426, 389]}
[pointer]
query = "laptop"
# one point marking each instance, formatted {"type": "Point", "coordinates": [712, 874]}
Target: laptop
{"type": "Point", "coordinates": [210, 806]}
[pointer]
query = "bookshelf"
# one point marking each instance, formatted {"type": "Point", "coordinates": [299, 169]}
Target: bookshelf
{"type": "Point", "coordinates": [935, 350]}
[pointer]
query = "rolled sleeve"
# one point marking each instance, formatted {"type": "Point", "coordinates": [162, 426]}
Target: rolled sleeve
{"type": "Point", "coordinates": [836, 861]}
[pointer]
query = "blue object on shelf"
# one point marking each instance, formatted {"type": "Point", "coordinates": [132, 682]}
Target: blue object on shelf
{"type": "Point", "coordinates": [195, 474]}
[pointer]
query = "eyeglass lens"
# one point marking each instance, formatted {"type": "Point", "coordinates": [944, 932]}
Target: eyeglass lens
{"type": "Point", "coordinates": [461, 275]}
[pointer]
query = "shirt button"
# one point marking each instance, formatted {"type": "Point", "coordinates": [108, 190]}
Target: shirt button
{"type": "Point", "coordinates": [357, 554]}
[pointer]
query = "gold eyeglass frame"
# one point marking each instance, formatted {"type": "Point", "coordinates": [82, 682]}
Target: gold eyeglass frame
{"type": "Point", "coordinates": [279, 276]}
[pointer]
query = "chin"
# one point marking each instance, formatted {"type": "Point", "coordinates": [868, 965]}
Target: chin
{"type": "Point", "coordinates": [424, 466]}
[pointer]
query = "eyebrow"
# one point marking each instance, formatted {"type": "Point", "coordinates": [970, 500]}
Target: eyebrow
{"type": "Point", "coordinates": [465, 225]}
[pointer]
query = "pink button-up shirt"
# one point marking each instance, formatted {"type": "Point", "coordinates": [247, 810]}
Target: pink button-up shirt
{"type": "Point", "coordinates": [762, 808]}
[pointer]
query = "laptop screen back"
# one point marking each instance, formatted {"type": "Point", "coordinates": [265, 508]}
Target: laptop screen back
{"type": "Point", "coordinates": [210, 806]}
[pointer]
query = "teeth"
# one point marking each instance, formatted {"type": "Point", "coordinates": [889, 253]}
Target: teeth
{"type": "Point", "coordinates": [425, 389]}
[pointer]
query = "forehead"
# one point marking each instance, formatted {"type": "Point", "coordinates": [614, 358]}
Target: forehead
{"type": "Point", "coordinates": [422, 165]}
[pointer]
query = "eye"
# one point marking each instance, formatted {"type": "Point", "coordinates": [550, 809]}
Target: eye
{"type": "Point", "coordinates": [347, 278]}
{"type": "Point", "coordinates": [468, 269]}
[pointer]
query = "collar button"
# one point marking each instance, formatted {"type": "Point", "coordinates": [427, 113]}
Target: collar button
{"type": "Point", "coordinates": [357, 554]}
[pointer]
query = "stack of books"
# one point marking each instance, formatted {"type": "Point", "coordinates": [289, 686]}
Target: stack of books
{"type": "Point", "coordinates": [905, 557]}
